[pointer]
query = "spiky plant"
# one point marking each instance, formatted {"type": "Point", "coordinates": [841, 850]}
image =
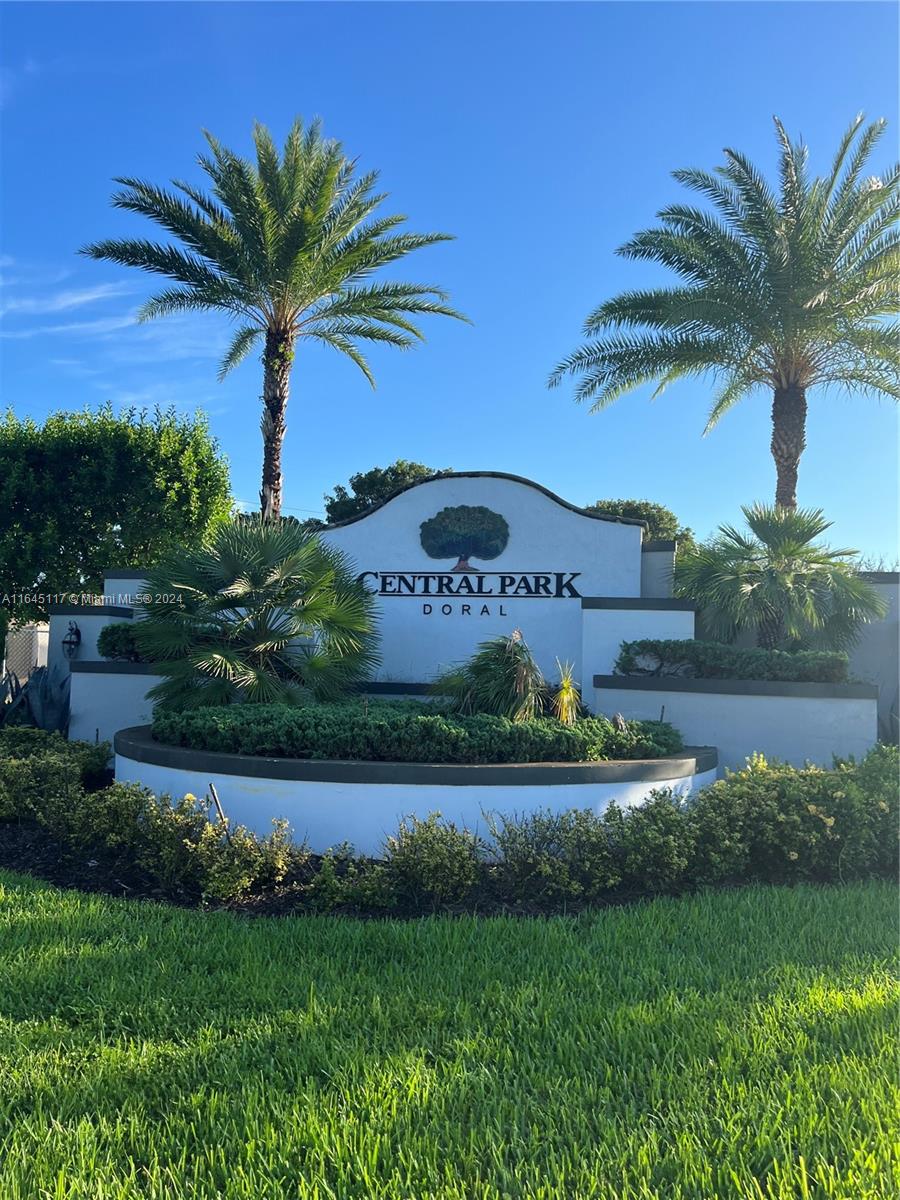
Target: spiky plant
{"type": "Point", "coordinates": [778, 581]}
{"type": "Point", "coordinates": [501, 678]}
{"type": "Point", "coordinates": [286, 246]}
{"type": "Point", "coordinates": [565, 701]}
{"type": "Point", "coordinates": [785, 289]}
{"type": "Point", "coordinates": [262, 613]}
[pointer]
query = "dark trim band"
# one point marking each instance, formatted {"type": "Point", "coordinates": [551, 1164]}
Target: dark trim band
{"type": "Point", "coordinates": [737, 687]}
{"type": "Point", "coordinates": [138, 745]}
{"type": "Point", "coordinates": [111, 667]}
{"type": "Point", "coordinates": [582, 512]}
{"type": "Point", "coordinates": [648, 603]}
{"type": "Point", "coordinates": [125, 573]}
{"type": "Point", "coordinates": [89, 610]}
{"type": "Point", "coordinates": [658, 545]}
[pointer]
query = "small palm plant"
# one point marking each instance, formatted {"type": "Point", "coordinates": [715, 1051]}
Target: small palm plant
{"type": "Point", "coordinates": [778, 581]}
{"type": "Point", "coordinates": [785, 289]}
{"type": "Point", "coordinates": [565, 701]}
{"type": "Point", "coordinates": [502, 678]}
{"type": "Point", "coordinates": [263, 612]}
{"type": "Point", "coordinates": [286, 247]}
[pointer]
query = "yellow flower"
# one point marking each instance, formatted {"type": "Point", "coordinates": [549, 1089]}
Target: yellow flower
{"type": "Point", "coordinates": [793, 855]}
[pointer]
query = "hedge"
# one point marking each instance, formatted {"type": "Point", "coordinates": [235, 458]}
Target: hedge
{"type": "Point", "coordinates": [770, 823]}
{"type": "Point", "coordinates": [90, 759]}
{"type": "Point", "coordinates": [118, 642]}
{"type": "Point", "coordinates": [712, 660]}
{"type": "Point", "coordinates": [407, 732]}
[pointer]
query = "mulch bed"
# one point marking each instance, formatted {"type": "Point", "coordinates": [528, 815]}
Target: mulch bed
{"type": "Point", "coordinates": [30, 850]}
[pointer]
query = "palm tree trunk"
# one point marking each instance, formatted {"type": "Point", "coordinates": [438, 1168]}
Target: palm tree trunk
{"type": "Point", "coordinates": [788, 441]}
{"type": "Point", "coordinates": [277, 361]}
{"type": "Point", "coordinates": [770, 631]}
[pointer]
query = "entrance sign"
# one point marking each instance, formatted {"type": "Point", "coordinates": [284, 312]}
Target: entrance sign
{"type": "Point", "coordinates": [464, 557]}
{"type": "Point", "coordinates": [557, 585]}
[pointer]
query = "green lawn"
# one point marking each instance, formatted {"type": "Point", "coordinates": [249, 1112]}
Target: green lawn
{"type": "Point", "coordinates": [731, 1045]}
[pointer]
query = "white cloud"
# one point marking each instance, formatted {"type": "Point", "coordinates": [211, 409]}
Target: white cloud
{"type": "Point", "coordinates": [100, 326]}
{"type": "Point", "coordinates": [64, 301]}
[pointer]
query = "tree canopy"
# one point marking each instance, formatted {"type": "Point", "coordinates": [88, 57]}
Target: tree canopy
{"type": "Point", "coordinates": [662, 524]}
{"type": "Point", "coordinates": [368, 488]}
{"type": "Point", "coordinates": [85, 491]}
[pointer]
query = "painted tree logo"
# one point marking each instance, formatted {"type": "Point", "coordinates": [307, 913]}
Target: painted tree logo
{"type": "Point", "coordinates": [464, 531]}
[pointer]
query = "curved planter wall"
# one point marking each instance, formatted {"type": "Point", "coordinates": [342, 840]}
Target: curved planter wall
{"type": "Point", "coordinates": [329, 802]}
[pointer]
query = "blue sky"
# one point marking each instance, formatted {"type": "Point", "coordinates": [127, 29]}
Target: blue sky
{"type": "Point", "coordinates": [541, 135]}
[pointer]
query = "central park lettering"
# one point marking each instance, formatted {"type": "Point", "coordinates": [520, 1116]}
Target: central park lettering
{"type": "Point", "coordinates": [554, 585]}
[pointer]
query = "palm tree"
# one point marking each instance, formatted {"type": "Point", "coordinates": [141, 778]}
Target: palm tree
{"type": "Point", "coordinates": [286, 246]}
{"type": "Point", "coordinates": [786, 291]}
{"type": "Point", "coordinates": [262, 613]}
{"type": "Point", "coordinates": [779, 582]}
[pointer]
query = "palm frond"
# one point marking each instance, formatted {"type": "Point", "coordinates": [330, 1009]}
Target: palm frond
{"type": "Point", "coordinates": [268, 614]}
{"type": "Point", "coordinates": [779, 286]}
{"type": "Point", "coordinates": [241, 344]}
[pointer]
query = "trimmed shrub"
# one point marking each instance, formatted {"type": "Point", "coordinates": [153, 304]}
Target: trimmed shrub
{"type": "Point", "coordinates": [773, 823]}
{"type": "Point", "coordinates": [173, 844]}
{"type": "Point", "coordinates": [184, 851]}
{"type": "Point", "coordinates": [408, 733]}
{"type": "Point", "coordinates": [28, 785]}
{"type": "Point", "coordinates": [118, 642]}
{"type": "Point", "coordinates": [712, 660]}
{"type": "Point", "coordinates": [549, 858]}
{"type": "Point", "coordinates": [769, 823]}
{"type": "Point", "coordinates": [432, 863]}
{"type": "Point", "coordinates": [23, 742]}
{"type": "Point", "coordinates": [653, 843]}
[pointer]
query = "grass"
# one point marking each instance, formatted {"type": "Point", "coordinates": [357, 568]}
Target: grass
{"type": "Point", "coordinates": [727, 1045]}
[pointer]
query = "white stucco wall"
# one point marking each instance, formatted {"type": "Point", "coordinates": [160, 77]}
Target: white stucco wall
{"type": "Point", "coordinates": [121, 589]}
{"type": "Point", "coordinates": [544, 536]}
{"type": "Point", "coordinates": [605, 629]}
{"type": "Point", "coordinates": [876, 656]}
{"type": "Point", "coordinates": [657, 567]}
{"type": "Point", "coordinates": [102, 704]}
{"type": "Point", "coordinates": [90, 621]}
{"type": "Point", "coordinates": [326, 814]}
{"type": "Point", "coordinates": [793, 729]}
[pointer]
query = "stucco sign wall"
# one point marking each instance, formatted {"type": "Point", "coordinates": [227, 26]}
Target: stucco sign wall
{"type": "Point", "coordinates": [456, 560]}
